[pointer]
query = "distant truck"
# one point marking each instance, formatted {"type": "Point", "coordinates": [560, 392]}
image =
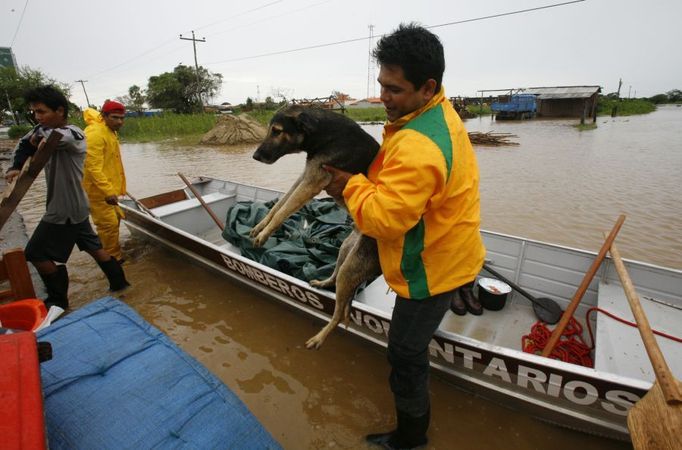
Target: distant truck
{"type": "Point", "coordinates": [519, 106]}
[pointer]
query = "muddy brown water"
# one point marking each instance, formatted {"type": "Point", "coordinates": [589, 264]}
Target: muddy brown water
{"type": "Point", "coordinates": [559, 185]}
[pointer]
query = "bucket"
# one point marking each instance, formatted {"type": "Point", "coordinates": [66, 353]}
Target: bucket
{"type": "Point", "coordinates": [25, 314]}
{"type": "Point", "coordinates": [492, 293]}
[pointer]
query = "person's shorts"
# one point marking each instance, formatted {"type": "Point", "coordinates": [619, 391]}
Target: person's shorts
{"type": "Point", "coordinates": [54, 242]}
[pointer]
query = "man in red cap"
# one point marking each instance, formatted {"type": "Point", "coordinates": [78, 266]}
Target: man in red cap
{"type": "Point", "coordinates": [104, 178]}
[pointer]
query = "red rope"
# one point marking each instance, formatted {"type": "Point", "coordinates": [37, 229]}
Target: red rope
{"type": "Point", "coordinates": [626, 322]}
{"type": "Point", "coordinates": [571, 347]}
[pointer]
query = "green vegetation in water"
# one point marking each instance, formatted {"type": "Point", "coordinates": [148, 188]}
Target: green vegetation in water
{"type": "Point", "coordinates": [477, 110]}
{"type": "Point", "coordinates": [586, 126]}
{"type": "Point", "coordinates": [378, 114]}
{"type": "Point", "coordinates": [162, 127]}
{"type": "Point", "coordinates": [18, 131]}
{"type": "Point", "coordinates": [626, 106]}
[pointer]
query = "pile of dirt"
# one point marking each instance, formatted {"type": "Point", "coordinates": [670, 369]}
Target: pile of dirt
{"type": "Point", "coordinates": [231, 130]}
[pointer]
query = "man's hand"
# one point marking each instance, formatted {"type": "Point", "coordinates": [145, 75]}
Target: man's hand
{"type": "Point", "coordinates": [338, 182]}
{"type": "Point", "coordinates": [111, 199]}
{"type": "Point", "coordinates": [11, 175]}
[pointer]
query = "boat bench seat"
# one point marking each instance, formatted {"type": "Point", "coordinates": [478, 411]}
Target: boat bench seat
{"type": "Point", "coordinates": [190, 203]}
{"type": "Point", "coordinates": [619, 348]}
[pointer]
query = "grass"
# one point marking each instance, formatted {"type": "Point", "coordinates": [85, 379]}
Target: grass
{"type": "Point", "coordinates": [158, 128]}
{"type": "Point", "coordinates": [378, 114]}
{"type": "Point", "coordinates": [586, 126]}
{"type": "Point", "coordinates": [478, 111]}
{"type": "Point", "coordinates": [626, 106]}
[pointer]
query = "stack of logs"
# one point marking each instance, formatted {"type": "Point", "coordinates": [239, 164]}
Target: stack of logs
{"type": "Point", "coordinates": [491, 139]}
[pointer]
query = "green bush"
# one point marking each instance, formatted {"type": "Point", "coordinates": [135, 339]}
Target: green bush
{"type": "Point", "coordinates": [18, 131]}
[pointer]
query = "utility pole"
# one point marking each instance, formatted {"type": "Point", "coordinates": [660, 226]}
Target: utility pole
{"type": "Point", "coordinates": [82, 82]}
{"type": "Point", "coordinates": [370, 74]}
{"type": "Point", "coordinates": [196, 64]}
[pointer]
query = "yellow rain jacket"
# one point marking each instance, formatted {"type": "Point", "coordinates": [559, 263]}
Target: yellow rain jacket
{"type": "Point", "coordinates": [103, 176]}
{"type": "Point", "coordinates": [420, 201]}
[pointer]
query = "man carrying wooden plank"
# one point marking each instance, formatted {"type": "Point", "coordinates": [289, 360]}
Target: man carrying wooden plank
{"type": "Point", "coordinates": [66, 220]}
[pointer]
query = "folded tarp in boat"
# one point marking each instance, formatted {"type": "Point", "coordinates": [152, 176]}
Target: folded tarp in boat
{"type": "Point", "coordinates": [116, 382]}
{"type": "Point", "coordinates": [305, 246]}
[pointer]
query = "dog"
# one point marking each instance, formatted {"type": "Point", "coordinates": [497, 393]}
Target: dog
{"type": "Point", "coordinates": [328, 138]}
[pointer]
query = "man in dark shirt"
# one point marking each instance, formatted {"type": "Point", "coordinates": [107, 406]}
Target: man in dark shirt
{"type": "Point", "coordinates": [66, 221]}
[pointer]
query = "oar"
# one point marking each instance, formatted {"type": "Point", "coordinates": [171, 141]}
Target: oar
{"type": "Point", "coordinates": [655, 422]}
{"type": "Point", "coordinates": [545, 308]}
{"type": "Point", "coordinates": [141, 206]}
{"type": "Point", "coordinates": [587, 279]}
{"type": "Point", "coordinates": [203, 203]}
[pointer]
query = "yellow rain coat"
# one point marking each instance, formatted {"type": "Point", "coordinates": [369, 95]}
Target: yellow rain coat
{"type": "Point", "coordinates": [420, 201]}
{"type": "Point", "coordinates": [103, 176]}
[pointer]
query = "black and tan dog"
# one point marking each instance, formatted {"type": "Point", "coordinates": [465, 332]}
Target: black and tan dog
{"type": "Point", "coordinates": [332, 139]}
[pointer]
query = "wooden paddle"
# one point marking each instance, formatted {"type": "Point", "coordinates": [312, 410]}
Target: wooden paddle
{"type": "Point", "coordinates": [655, 422]}
{"type": "Point", "coordinates": [141, 206]}
{"type": "Point", "coordinates": [587, 279]}
{"type": "Point", "coordinates": [210, 212]}
{"type": "Point", "coordinates": [32, 167]}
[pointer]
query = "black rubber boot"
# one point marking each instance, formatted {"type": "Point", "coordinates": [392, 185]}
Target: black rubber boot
{"type": "Point", "coordinates": [114, 272]}
{"type": "Point", "coordinates": [457, 306]}
{"type": "Point", "coordinates": [57, 286]}
{"type": "Point", "coordinates": [410, 434]}
{"type": "Point", "coordinates": [466, 293]}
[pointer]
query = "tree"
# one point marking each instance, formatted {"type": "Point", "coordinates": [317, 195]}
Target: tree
{"type": "Point", "coordinates": [13, 84]}
{"type": "Point", "coordinates": [341, 97]}
{"type": "Point", "coordinates": [181, 91]}
{"type": "Point", "coordinates": [137, 98]}
{"type": "Point", "coordinates": [674, 96]}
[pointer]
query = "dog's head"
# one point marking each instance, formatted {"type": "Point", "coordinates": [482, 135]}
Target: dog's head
{"type": "Point", "coordinates": [286, 132]}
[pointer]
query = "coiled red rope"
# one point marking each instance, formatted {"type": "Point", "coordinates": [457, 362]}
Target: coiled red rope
{"type": "Point", "coordinates": [571, 347]}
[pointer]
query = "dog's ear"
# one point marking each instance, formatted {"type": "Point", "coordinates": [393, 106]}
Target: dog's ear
{"type": "Point", "coordinates": [306, 122]}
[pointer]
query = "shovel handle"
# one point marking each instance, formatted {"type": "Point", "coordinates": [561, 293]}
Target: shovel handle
{"type": "Point", "coordinates": [587, 279]}
{"type": "Point", "coordinates": [671, 390]}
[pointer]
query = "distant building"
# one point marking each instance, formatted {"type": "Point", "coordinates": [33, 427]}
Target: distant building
{"type": "Point", "coordinates": [565, 101]}
{"type": "Point", "coordinates": [371, 102]}
{"type": "Point", "coordinates": [7, 57]}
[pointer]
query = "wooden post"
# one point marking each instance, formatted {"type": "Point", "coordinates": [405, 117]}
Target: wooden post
{"type": "Point", "coordinates": [208, 209]}
{"type": "Point", "coordinates": [14, 268]}
{"type": "Point", "coordinates": [16, 191]}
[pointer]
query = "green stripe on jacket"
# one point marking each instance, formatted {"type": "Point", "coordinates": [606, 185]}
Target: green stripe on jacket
{"type": "Point", "coordinates": [431, 124]}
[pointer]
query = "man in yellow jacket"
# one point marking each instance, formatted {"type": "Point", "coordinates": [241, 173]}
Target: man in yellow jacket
{"type": "Point", "coordinates": [420, 201]}
{"type": "Point", "coordinates": [104, 179]}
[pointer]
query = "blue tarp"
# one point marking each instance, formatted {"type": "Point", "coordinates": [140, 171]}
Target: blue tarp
{"type": "Point", "coordinates": [116, 382]}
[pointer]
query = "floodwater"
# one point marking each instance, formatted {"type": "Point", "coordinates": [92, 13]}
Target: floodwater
{"type": "Point", "coordinates": [559, 185]}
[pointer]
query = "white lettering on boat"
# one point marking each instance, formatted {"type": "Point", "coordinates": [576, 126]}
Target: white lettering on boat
{"type": "Point", "coordinates": [579, 392]}
{"type": "Point", "coordinates": [272, 282]}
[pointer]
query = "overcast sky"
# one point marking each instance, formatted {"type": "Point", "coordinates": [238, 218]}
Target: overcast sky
{"type": "Point", "coordinates": [116, 44]}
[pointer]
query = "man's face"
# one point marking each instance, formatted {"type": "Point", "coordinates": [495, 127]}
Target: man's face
{"type": "Point", "coordinates": [114, 120]}
{"type": "Point", "coordinates": [47, 117]}
{"type": "Point", "coordinates": [398, 95]}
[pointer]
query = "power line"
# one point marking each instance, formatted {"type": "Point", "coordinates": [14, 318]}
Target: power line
{"type": "Point", "coordinates": [19, 24]}
{"type": "Point", "coordinates": [239, 15]}
{"type": "Point", "coordinates": [347, 41]}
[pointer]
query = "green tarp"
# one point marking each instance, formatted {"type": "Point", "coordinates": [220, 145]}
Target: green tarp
{"type": "Point", "coordinates": [305, 246]}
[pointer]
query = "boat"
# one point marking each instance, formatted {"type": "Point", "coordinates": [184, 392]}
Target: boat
{"type": "Point", "coordinates": [482, 354]}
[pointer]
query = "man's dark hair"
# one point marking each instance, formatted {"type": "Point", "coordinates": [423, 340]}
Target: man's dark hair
{"type": "Point", "coordinates": [52, 97]}
{"type": "Point", "coordinates": [416, 50]}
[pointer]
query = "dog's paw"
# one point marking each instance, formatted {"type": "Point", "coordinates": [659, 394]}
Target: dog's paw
{"type": "Point", "coordinates": [315, 342]}
{"type": "Point", "coordinates": [322, 284]}
{"type": "Point", "coordinates": [260, 240]}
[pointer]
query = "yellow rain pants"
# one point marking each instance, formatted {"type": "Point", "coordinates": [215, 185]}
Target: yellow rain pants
{"type": "Point", "coordinates": [103, 177]}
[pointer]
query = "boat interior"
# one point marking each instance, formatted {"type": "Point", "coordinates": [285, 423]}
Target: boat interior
{"type": "Point", "coordinates": [543, 270]}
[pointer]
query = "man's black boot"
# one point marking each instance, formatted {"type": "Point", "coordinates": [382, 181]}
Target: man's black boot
{"type": "Point", "coordinates": [57, 286]}
{"type": "Point", "coordinates": [114, 272]}
{"type": "Point", "coordinates": [466, 293]}
{"type": "Point", "coordinates": [411, 433]}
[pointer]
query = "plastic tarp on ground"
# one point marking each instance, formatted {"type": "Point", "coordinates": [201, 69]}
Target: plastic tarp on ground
{"type": "Point", "coordinates": [116, 382]}
{"type": "Point", "coordinates": [305, 246]}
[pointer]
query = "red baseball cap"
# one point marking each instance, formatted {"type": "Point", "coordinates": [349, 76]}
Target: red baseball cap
{"type": "Point", "coordinates": [113, 106]}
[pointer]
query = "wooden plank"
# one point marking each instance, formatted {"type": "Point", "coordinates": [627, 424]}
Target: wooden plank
{"type": "Point", "coordinates": [164, 199]}
{"type": "Point", "coordinates": [16, 191]}
{"type": "Point", "coordinates": [19, 277]}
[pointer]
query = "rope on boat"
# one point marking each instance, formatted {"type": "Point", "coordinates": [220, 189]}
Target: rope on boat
{"type": "Point", "coordinates": [571, 347]}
